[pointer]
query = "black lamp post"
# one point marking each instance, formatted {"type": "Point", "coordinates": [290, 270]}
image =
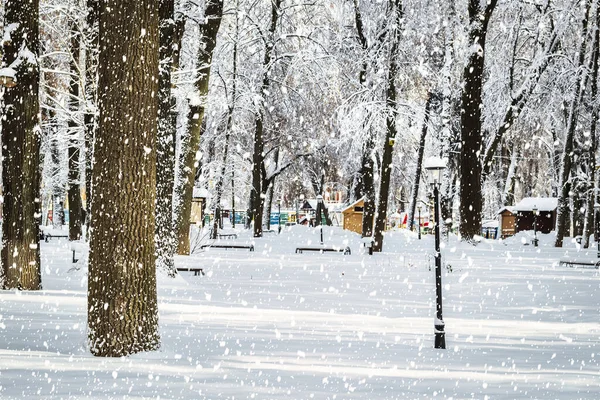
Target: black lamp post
{"type": "Point", "coordinates": [319, 217]}
{"type": "Point", "coordinates": [279, 216]}
{"type": "Point", "coordinates": [419, 221]}
{"type": "Point", "coordinates": [435, 166]}
{"type": "Point", "coordinates": [535, 214]}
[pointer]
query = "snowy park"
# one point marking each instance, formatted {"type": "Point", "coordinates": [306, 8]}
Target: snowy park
{"type": "Point", "coordinates": [292, 199]}
{"type": "Point", "coordinates": [273, 324]}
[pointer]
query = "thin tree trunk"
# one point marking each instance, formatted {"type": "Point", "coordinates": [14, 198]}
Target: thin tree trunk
{"type": "Point", "coordinates": [219, 187]}
{"type": "Point", "coordinates": [415, 190]}
{"type": "Point", "coordinates": [214, 14]}
{"type": "Point", "coordinates": [511, 179]}
{"type": "Point", "coordinates": [365, 186]}
{"type": "Point", "coordinates": [567, 156]}
{"type": "Point", "coordinates": [75, 203]}
{"type": "Point", "coordinates": [591, 194]}
{"type": "Point", "coordinates": [89, 118]}
{"type": "Point", "coordinates": [391, 130]}
{"type": "Point", "coordinates": [471, 198]}
{"type": "Point", "coordinates": [256, 200]}
{"type": "Point", "coordinates": [21, 210]}
{"type": "Point", "coordinates": [122, 300]}
{"type": "Point", "coordinates": [165, 147]}
{"type": "Point", "coordinates": [367, 173]}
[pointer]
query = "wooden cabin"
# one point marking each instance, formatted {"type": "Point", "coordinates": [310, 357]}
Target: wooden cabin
{"type": "Point", "coordinates": [353, 215]}
{"type": "Point", "coordinates": [508, 221]}
{"type": "Point", "coordinates": [198, 202]}
{"type": "Point", "coordinates": [546, 214]}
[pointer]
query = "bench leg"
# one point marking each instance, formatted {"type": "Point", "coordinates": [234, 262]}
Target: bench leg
{"type": "Point", "coordinates": [74, 259]}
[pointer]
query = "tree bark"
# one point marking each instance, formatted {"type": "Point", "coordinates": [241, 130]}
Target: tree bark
{"type": "Point", "coordinates": [391, 130]}
{"type": "Point", "coordinates": [91, 86]}
{"type": "Point", "coordinates": [209, 30]}
{"type": "Point", "coordinates": [421, 150]}
{"type": "Point", "coordinates": [230, 110]}
{"type": "Point", "coordinates": [122, 300]}
{"type": "Point", "coordinates": [471, 199]}
{"type": "Point", "coordinates": [365, 185]}
{"type": "Point", "coordinates": [20, 253]}
{"type": "Point", "coordinates": [257, 201]}
{"type": "Point", "coordinates": [165, 146]}
{"type": "Point", "coordinates": [567, 156]}
{"type": "Point", "coordinates": [75, 203]}
{"type": "Point", "coordinates": [367, 173]}
{"type": "Point", "coordinates": [591, 194]}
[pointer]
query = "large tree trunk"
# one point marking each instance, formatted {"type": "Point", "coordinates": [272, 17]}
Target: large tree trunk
{"type": "Point", "coordinates": [562, 213]}
{"type": "Point", "coordinates": [20, 150]}
{"type": "Point", "coordinates": [165, 144]}
{"type": "Point", "coordinates": [209, 30]}
{"type": "Point", "coordinates": [75, 203]}
{"type": "Point", "coordinates": [122, 301]}
{"type": "Point", "coordinates": [416, 185]}
{"type": "Point", "coordinates": [391, 130]}
{"type": "Point", "coordinates": [257, 202]}
{"type": "Point", "coordinates": [471, 199]}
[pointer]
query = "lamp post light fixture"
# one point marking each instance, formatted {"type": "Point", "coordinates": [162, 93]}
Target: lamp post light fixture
{"type": "Point", "coordinates": [596, 210]}
{"type": "Point", "coordinates": [419, 221]}
{"type": "Point", "coordinates": [434, 167]}
{"type": "Point", "coordinates": [535, 215]}
{"type": "Point", "coordinates": [279, 216]}
{"type": "Point", "coordinates": [319, 217]}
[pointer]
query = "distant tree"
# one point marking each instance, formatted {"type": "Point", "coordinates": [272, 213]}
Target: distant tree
{"type": "Point", "coordinates": [196, 119]}
{"type": "Point", "coordinates": [165, 173]}
{"type": "Point", "coordinates": [565, 183]}
{"type": "Point", "coordinates": [122, 302]}
{"type": "Point", "coordinates": [74, 133]}
{"type": "Point", "coordinates": [396, 16]}
{"type": "Point", "coordinates": [20, 147]}
{"type": "Point", "coordinates": [471, 200]}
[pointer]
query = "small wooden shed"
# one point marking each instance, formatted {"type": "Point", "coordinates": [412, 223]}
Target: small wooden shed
{"type": "Point", "coordinates": [198, 202]}
{"type": "Point", "coordinates": [508, 221]}
{"type": "Point", "coordinates": [546, 214]}
{"type": "Point", "coordinates": [353, 215]}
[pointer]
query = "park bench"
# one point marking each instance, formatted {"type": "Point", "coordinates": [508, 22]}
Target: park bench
{"type": "Point", "coordinates": [227, 235]}
{"type": "Point", "coordinates": [584, 262]}
{"type": "Point", "coordinates": [228, 246]}
{"type": "Point", "coordinates": [197, 270]}
{"type": "Point", "coordinates": [345, 250]}
{"type": "Point", "coordinates": [48, 236]}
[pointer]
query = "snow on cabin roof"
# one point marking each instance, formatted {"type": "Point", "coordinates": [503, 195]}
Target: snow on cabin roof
{"type": "Point", "coordinates": [351, 206]}
{"type": "Point", "coordinates": [541, 203]}
{"type": "Point", "coordinates": [199, 193]}
{"type": "Point", "coordinates": [506, 208]}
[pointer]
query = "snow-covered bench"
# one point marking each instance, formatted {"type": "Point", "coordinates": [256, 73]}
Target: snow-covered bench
{"type": "Point", "coordinates": [576, 261]}
{"type": "Point", "coordinates": [196, 270]}
{"type": "Point", "coordinates": [79, 247]}
{"type": "Point", "coordinates": [322, 249]}
{"type": "Point", "coordinates": [227, 246]}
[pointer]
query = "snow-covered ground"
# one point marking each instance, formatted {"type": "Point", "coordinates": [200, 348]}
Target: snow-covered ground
{"type": "Point", "coordinates": [272, 324]}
